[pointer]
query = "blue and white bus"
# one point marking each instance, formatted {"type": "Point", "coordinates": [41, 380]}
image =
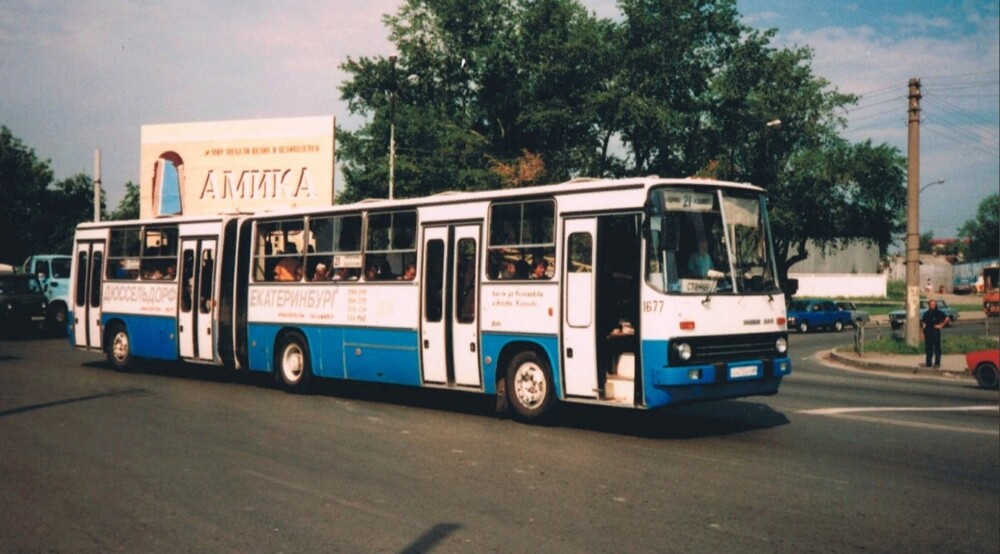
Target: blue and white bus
{"type": "Point", "coordinates": [637, 293]}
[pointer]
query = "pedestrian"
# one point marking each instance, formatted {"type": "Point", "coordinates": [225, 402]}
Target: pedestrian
{"type": "Point", "coordinates": [931, 324]}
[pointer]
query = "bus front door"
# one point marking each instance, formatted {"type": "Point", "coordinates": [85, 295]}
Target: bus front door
{"type": "Point", "coordinates": [197, 304]}
{"type": "Point", "coordinates": [87, 295]}
{"type": "Point", "coordinates": [449, 325]}
{"type": "Point", "coordinates": [579, 332]}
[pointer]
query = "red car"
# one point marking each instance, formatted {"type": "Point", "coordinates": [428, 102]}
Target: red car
{"type": "Point", "coordinates": [983, 366]}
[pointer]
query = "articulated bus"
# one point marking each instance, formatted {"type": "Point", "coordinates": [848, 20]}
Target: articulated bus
{"type": "Point", "coordinates": [637, 293]}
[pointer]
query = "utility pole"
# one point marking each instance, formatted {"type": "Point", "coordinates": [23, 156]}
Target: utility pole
{"type": "Point", "coordinates": [97, 184]}
{"type": "Point", "coordinates": [392, 129]}
{"type": "Point", "coordinates": [913, 216]}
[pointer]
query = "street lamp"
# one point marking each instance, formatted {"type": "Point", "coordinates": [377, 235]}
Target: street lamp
{"type": "Point", "coordinates": [931, 184]}
{"type": "Point", "coordinates": [392, 128]}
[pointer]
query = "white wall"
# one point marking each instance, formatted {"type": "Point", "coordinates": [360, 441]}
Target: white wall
{"type": "Point", "coordinates": [832, 285]}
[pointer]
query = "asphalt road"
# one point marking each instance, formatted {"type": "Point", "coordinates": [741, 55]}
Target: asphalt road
{"type": "Point", "coordinates": [189, 459]}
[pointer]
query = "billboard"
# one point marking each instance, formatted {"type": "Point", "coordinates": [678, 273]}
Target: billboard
{"type": "Point", "coordinates": [255, 165]}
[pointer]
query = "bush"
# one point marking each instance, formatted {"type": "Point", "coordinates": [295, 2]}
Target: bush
{"type": "Point", "coordinates": [949, 345]}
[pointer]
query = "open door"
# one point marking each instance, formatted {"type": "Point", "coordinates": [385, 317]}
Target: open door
{"type": "Point", "coordinates": [579, 330]}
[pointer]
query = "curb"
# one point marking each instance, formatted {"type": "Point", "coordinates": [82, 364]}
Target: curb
{"type": "Point", "coordinates": [835, 356]}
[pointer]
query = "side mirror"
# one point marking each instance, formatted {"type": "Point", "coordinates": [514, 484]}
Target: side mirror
{"type": "Point", "coordinates": [791, 287]}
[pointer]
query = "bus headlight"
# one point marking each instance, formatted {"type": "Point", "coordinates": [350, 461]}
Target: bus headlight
{"type": "Point", "coordinates": [781, 345]}
{"type": "Point", "coordinates": [683, 351]}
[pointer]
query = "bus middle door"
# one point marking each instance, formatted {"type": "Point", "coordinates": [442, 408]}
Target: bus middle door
{"type": "Point", "coordinates": [197, 304]}
{"type": "Point", "coordinates": [449, 324]}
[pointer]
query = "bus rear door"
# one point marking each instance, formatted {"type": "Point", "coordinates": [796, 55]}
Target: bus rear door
{"type": "Point", "coordinates": [87, 295]}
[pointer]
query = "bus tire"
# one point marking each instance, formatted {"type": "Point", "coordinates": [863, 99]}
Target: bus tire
{"type": "Point", "coordinates": [119, 347]}
{"type": "Point", "coordinates": [803, 326]}
{"type": "Point", "coordinates": [292, 368]}
{"type": "Point", "coordinates": [838, 326]}
{"type": "Point", "coordinates": [529, 386]}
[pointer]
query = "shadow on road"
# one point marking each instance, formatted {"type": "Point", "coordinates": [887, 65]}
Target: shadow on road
{"type": "Point", "coordinates": [44, 405]}
{"type": "Point", "coordinates": [685, 422]}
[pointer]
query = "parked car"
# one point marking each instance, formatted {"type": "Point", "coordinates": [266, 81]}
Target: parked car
{"type": "Point", "coordinates": [806, 315]}
{"type": "Point", "coordinates": [858, 317]}
{"type": "Point", "coordinates": [22, 304]}
{"type": "Point", "coordinates": [983, 366]}
{"type": "Point", "coordinates": [52, 271]}
{"type": "Point", "coordinates": [897, 318]}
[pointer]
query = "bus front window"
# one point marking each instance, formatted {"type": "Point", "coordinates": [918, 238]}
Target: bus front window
{"type": "Point", "coordinates": [706, 242]}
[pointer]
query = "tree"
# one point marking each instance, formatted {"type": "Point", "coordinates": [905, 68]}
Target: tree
{"type": "Point", "coordinates": [983, 232]}
{"type": "Point", "coordinates": [128, 208]}
{"type": "Point", "coordinates": [71, 202]}
{"type": "Point", "coordinates": [23, 180]}
{"type": "Point", "coordinates": [491, 93]}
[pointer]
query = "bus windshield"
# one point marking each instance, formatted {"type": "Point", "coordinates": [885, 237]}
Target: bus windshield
{"type": "Point", "coordinates": [708, 241]}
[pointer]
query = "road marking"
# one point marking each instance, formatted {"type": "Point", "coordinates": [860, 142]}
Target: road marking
{"type": "Point", "coordinates": [851, 413]}
{"type": "Point", "coordinates": [838, 411]}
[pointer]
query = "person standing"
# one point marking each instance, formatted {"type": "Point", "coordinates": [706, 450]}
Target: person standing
{"type": "Point", "coordinates": [931, 324]}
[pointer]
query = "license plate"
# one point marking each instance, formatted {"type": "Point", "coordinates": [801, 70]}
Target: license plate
{"type": "Point", "coordinates": [742, 371]}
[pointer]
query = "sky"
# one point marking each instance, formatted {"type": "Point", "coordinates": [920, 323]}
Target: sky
{"type": "Point", "coordinates": [76, 76]}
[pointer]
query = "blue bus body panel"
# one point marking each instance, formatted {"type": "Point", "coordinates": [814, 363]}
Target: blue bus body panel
{"type": "Point", "coordinates": [149, 336]}
{"type": "Point", "coordinates": [382, 355]}
{"type": "Point", "coordinates": [493, 345]}
{"type": "Point", "coordinates": [364, 354]}
{"type": "Point", "coordinates": [664, 385]}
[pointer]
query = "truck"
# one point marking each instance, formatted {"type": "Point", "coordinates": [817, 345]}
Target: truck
{"type": "Point", "coordinates": [52, 271]}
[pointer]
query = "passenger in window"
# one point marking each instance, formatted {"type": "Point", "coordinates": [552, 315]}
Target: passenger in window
{"type": "Point", "coordinates": [288, 269]}
{"type": "Point", "coordinates": [539, 269]}
{"type": "Point", "coordinates": [371, 273]}
{"type": "Point", "coordinates": [509, 270]}
{"type": "Point", "coordinates": [320, 273]}
{"type": "Point", "coordinates": [343, 274]}
{"type": "Point", "coordinates": [409, 273]}
{"type": "Point", "coordinates": [171, 273]}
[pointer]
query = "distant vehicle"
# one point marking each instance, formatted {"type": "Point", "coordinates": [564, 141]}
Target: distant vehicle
{"type": "Point", "coordinates": [806, 315]}
{"type": "Point", "coordinates": [52, 271]}
{"type": "Point", "coordinates": [858, 317]}
{"type": "Point", "coordinates": [991, 291]}
{"type": "Point", "coordinates": [983, 366]}
{"type": "Point", "coordinates": [897, 318]}
{"type": "Point", "coordinates": [22, 303]}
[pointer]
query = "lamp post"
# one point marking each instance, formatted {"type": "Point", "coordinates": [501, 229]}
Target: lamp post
{"type": "Point", "coordinates": [392, 128]}
{"type": "Point", "coordinates": [931, 184]}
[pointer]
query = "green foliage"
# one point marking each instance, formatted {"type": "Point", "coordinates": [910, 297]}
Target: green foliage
{"type": "Point", "coordinates": [128, 208]}
{"type": "Point", "coordinates": [36, 215]}
{"type": "Point", "coordinates": [23, 182]}
{"type": "Point", "coordinates": [491, 93]}
{"type": "Point", "coordinates": [950, 344]}
{"type": "Point", "coordinates": [984, 230]}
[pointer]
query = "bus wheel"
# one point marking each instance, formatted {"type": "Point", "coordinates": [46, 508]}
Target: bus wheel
{"type": "Point", "coordinates": [529, 386]}
{"type": "Point", "coordinates": [804, 327]}
{"type": "Point", "coordinates": [838, 326]}
{"type": "Point", "coordinates": [119, 347]}
{"type": "Point", "coordinates": [291, 363]}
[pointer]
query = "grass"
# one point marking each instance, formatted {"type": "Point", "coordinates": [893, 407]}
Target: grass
{"type": "Point", "coordinates": [890, 344]}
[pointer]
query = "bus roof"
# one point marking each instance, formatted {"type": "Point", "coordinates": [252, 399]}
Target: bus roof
{"type": "Point", "coordinates": [578, 186]}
